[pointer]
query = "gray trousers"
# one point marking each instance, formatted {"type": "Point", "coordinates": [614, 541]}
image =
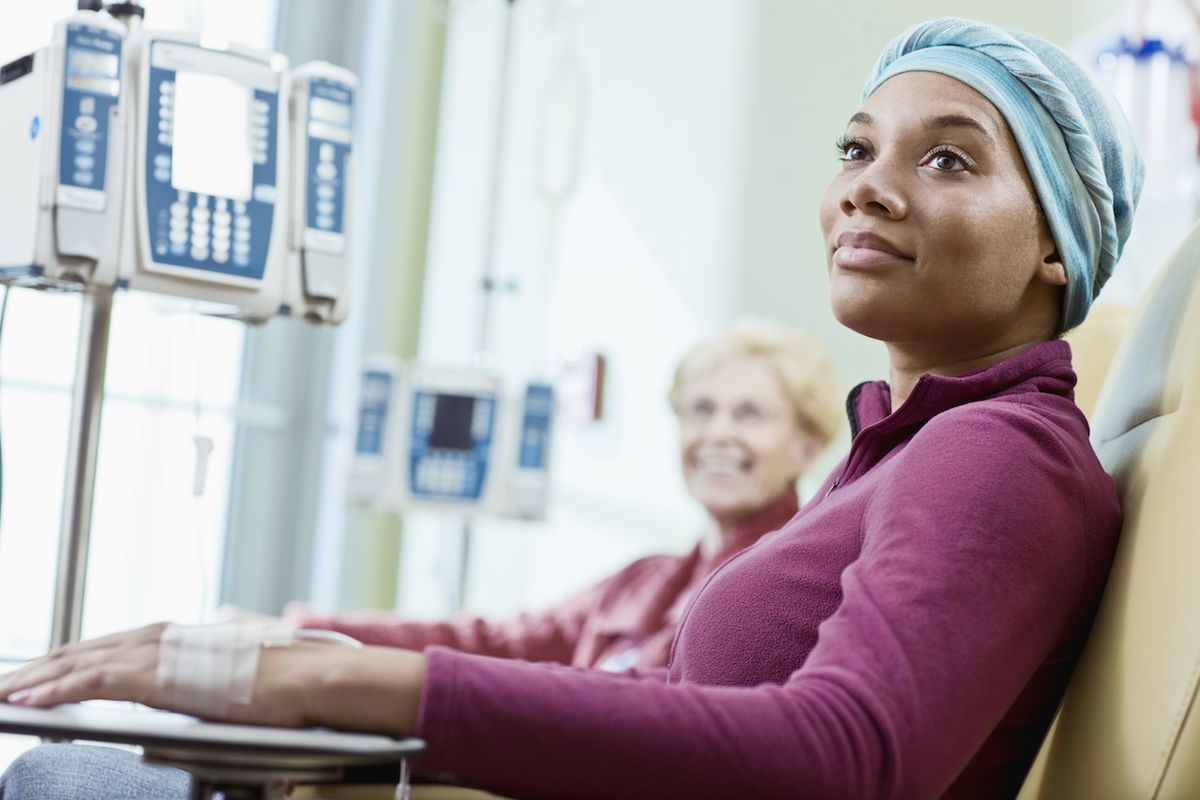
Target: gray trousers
{"type": "Point", "coordinates": [87, 772]}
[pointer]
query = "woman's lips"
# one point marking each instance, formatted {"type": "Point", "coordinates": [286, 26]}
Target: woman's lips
{"type": "Point", "coordinates": [861, 250]}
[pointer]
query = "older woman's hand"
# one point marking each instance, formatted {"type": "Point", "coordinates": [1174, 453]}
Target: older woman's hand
{"type": "Point", "coordinates": [370, 689]}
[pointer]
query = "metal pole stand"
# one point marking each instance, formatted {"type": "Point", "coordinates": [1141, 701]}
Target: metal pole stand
{"type": "Point", "coordinates": [83, 446]}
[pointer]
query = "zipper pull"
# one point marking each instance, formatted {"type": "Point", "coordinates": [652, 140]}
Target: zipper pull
{"type": "Point", "coordinates": [836, 483]}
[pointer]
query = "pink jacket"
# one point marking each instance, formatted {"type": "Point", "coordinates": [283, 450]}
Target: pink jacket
{"type": "Point", "coordinates": [907, 635]}
{"type": "Point", "coordinates": [627, 619]}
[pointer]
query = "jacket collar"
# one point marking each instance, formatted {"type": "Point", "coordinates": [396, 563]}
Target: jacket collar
{"type": "Point", "coordinates": [1044, 367]}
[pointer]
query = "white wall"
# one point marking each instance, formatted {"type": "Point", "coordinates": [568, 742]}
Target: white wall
{"type": "Point", "coordinates": [707, 140]}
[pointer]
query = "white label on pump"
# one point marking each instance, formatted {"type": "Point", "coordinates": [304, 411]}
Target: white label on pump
{"type": "Point", "coordinates": [76, 197]}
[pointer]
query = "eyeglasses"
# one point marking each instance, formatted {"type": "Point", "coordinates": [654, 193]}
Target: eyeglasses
{"type": "Point", "coordinates": [745, 415]}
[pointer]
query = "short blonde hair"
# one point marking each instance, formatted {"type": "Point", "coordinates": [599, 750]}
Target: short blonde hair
{"type": "Point", "coordinates": [802, 364]}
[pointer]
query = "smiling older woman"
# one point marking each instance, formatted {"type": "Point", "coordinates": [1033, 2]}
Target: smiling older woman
{"type": "Point", "coordinates": [756, 405]}
{"type": "Point", "coordinates": [909, 632]}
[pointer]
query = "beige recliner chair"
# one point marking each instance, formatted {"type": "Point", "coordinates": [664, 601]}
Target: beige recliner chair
{"type": "Point", "coordinates": [1128, 728]}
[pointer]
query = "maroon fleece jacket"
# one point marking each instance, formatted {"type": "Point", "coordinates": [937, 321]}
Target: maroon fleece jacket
{"type": "Point", "coordinates": [907, 634]}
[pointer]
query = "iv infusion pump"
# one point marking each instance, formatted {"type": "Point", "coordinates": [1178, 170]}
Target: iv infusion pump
{"type": "Point", "coordinates": [452, 439]}
{"type": "Point", "coordinates": [318, 275]}
{"type": "Point", "coordinates": [142, 159]}
{"type": "Point", "coordinates": [62, 152]}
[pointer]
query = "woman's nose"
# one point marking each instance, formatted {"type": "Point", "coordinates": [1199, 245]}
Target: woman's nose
{"type": "Point", "coordinates": [875, 190]}
{"type": "Point", "coordinates": [721, 425]}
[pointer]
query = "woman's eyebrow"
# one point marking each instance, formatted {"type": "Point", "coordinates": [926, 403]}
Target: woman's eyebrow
{"type": "Point", "coordinates": [957, 121]}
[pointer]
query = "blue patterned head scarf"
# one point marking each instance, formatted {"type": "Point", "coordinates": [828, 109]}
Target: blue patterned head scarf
{"type": "Point", "coordinates": [1077, 145]}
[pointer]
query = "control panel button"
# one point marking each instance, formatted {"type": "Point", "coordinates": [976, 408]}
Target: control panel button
{"type": "Point", "coordinates": [87, 105]}
{"type": "Point", "coordinates": [325, 153]}
{"type": "Point", "coordinates": [325, 223]}
{"type": "Point", "coordinates": [162, 161]}
{"type": "Point", "coordinates": [325, 191]}
{"type": "Point", "coordinates": [162, 175]}
{"type": "Point", "coordinates": [326, 171]}
{"type": "Point", "coordinates": [325, 207]}
{"type": "Point", "coordinates": [167, 88]}
{"type": "Point", "coordinates": [85, 145]}
{"type": "Point", "coordinates": [199, 253]}
{"type": "Point", "coordinates": [201, 213]}
{"type": "Point", "coordinates": [85, 124]}
{"type": "Point", "coordinates": [84, 178]}
{"type": "Point", "coordinates": [85, 162]}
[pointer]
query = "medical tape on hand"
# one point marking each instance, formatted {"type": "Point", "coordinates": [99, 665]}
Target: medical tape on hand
{"type": "Point", "coordinates": [205, 669]}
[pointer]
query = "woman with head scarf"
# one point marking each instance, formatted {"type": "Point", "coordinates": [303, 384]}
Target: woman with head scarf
{"type": "Point", "coordinates": [909, 633]}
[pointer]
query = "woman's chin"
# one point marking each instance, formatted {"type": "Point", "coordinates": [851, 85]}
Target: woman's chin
{"type": "Point", "coordinates": [726, 505]}
{"type": "Point", "coordinates": [872, 320]}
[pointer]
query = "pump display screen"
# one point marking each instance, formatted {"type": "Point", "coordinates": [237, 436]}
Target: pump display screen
{"type": "Point", "coordinates": [329, 111]}
{"type": "Point", "coordinates": [213, 151]}
{"type": "Point", "coordinates": [452, 418]}
{"type": "Point", "coordinates": [89, 62]}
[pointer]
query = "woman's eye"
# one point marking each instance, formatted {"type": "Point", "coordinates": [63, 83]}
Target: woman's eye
{"type": "Point", "coordinates": [851, 150]}
{"type": "Point", "coordinates": [946, 160]}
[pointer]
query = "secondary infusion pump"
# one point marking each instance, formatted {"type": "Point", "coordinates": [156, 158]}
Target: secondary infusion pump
{"type": "Point", "coordinates": [62, 152]}
{"type": "Point", "coordinates": [142, 159]}
{"type": "Point", "coordinates": [318, 275]}
{"type": "Point", "coordinates": [451, 439]}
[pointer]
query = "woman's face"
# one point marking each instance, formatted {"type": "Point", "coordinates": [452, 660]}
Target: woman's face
{"type": "Point", "coordinates": [741, 444]}
{"type": "Point", "coordinates": [932, 227]}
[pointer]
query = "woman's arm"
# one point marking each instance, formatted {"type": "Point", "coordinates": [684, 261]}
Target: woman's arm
{"type": "Point", "coordinates": [547, 635]}
{"type": "Point", "coordinates": [370, 689]}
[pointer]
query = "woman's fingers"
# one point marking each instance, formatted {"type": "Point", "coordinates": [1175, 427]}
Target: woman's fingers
{"type": "Point", "coordinates": [99, 681]}
{"type": "Point", "coordinates": [40, 671]}
{"type": "Point", "coordinates": [137, 649]}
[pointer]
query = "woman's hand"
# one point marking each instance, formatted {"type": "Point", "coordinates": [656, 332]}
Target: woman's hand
{"type": "Point", "coordinates": [371, 689]}
{"type": "Point", "coordinates": [121, 666]}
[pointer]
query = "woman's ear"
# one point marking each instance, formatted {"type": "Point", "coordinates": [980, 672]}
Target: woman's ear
{"type": "Point", "coordinates": [1052, 270]}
